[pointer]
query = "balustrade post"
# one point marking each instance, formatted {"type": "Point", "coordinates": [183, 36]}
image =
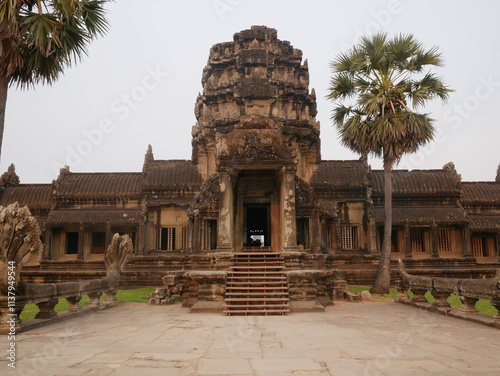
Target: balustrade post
{"type": "Point", "coordinates": [95, 298]}
{"type": "Point", "coordinates": [468, 306]}
{"type": "Point", "coordinates": [47, 309]}
{"type": "Point", "coordinates": [402, 290]}
{"type": "Point", "coordinates": [418, 296]}
{"type": "Point", "coordinates": [74, 303]}
{"type": "Point", "coordinates": [440, 299]}
{"type": "Point", "coordinates": [496, 319]}
{"type": "Point", "coordinates": [111, 295]}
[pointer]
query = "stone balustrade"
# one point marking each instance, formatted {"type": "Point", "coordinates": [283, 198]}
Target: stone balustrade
{"type": "Point", "coordinates": [46, 295]}
{"type": "Point", "coordinates": [468, 290]}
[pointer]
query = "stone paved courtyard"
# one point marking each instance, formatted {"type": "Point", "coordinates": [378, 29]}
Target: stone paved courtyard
{"type": "Point", "coordinates": [352, 339]}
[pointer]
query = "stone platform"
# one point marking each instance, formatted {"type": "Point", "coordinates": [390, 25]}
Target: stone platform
{"type": "Point", "coordinates": [347, 339]}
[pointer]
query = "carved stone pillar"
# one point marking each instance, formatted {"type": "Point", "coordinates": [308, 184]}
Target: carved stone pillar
{"type": "Point", "coordinates": [288, 220]}
{"type": "Point", "coordinates": [372, 236]}
{"type": "Point", "coordinates": [337, 244]}
{"type": "Point", "coordinates": [434, 242]}
{"type": "Point", "coordinates": [141, 236]}
{"type": "Point", "coordinates": [197, 232]}
{"type": "Point", "coordinates": [315, 232]}
{"type": "Point", "coordinates": [225, 224]}
{"type": "Point", "coordinates": [48, 244]}
{"type": "Point", "coordinates": [467, 241]}
{"type": "Point", "coordinates": [497, 241]}
{"type": "Point", "coordinates": [407, 241]}
{"type": "Point", "coordinates": [81, 243]}
{"type": "Point", "coordinates": [107, 235]}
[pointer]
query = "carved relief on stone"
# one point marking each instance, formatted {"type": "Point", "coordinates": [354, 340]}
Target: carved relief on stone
{"type": "Point", "coordinates": [20, 242]}
{"type": "Point", "coordinates": [117, 254]}
{"type": "Point", "coordinates": [9, 177]}
{"type": "Point", "coordinates": [303, 193]}
{"type": "Point", "coordinates": [254, 150]}
{"type": "Point", "coordinates": [208, 198]}
{"type": "Point", "coordinates": [254, 184]}
{"type": "Point", "coordinates": [256, 82]}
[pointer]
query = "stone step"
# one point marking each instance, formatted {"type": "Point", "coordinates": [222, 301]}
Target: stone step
{"type": "Point", "coordinates": [258, 267]}
{"type": "Point", "coordinates": [257, 284]}
{"type": "Point", "coordinates": [262, 312]}
{"type": "Point", "coordinates": [272, 275]}
{"type": "Point", "coordinates": [245, 286]}
{"type": "Point", "coordinates": [256, 275]}
{"type": "Point", "coordinates": [258, 260]}
{"type": "Point", "coordinates": [260, 293]}
{"type": "Point", "coordinates": [258, 299]}
{"type": "Point", "coordinates": [257, 306]}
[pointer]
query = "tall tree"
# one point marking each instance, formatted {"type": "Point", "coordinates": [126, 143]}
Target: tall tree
{"type": "Point", "coordinates": [39, 38]}
{"type": "Point", "coordinates": [377, 85]}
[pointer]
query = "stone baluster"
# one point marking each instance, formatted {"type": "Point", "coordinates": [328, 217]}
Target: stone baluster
{"type": "Point", "coordinates": [418, 295]}
{"type": "Point", "coordinates": [47, 309]}
{"type": "Point", "coordinates": [402, 291]}
{"type": "Point", "coordinates": [111, 295]}
{"type": "Point", "coordinates": [74, 303]}
{"type": "Point", "coordinates": [95, 298]}
{"type": "Point", "coordinates": [440, 299]}
{"type": "Point", "coordinates": [468, 306]}
{"type": "Point", "coordinates": [496, 319]}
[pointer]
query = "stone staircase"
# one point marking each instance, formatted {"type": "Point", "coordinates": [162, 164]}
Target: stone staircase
{"type": "Point", "coordinates": [257, 285]}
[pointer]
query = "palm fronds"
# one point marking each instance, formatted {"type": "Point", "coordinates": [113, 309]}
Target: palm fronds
{"type": "Point", "coordinates": [38, 39]}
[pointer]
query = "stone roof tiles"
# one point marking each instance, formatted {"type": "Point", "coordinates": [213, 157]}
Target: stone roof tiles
{"type": "Point", "coordinates": [484, 222]}
{"type": "Point", "coordinates": [36, 196]}
{"type": "Point", "coordinates": [94, 216]}
{"type": "Point", "coordinates": [171, 173]}
{"type": "Point", "coordinates": [423, 215]}
{"type": "Point", "coordinates": [418, 182]}
{"type": "Point", "coordinates": [481, 193]}
{"type": "Point", "coordinates": [99, 185]}
{"type": "Point", "coordinates": [340, 174]}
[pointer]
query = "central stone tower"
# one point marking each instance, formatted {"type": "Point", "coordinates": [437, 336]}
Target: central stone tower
{"type": "Point", "coordinates": [256, 139]}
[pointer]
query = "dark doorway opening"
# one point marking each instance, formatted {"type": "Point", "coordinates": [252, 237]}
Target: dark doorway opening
{"type": "Point", "coordinates": [257, 226]}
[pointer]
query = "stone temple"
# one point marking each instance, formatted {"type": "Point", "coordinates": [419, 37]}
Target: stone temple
{"type": "Point", "coordinates": [256, 185]}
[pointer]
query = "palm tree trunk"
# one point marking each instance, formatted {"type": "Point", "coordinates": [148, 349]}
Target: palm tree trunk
{"type": "Point", "coordinates": [4, 87]}
{"type": "Point", "coordinates": [382, 281]}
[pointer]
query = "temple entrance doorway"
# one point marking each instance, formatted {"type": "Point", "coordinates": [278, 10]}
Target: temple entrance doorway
{"type": "Point", "coordinates": [257, 232]}
{"type": "Point", "coordinates": [257, 210]}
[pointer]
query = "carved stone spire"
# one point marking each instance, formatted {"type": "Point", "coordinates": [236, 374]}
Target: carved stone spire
{"type": "Point", "coordinates": [9, 177]}
{"type": "Point", "coordinates": [148, 157]}
{"type": "Point", "coordinates": [254, 87]}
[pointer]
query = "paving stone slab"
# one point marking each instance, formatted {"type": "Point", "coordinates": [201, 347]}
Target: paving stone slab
{"type": "Point", "coordinates": [389, 339]}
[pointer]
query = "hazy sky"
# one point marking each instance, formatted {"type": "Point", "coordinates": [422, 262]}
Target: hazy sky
{"type": "Point", "coordinates": [139, 83]}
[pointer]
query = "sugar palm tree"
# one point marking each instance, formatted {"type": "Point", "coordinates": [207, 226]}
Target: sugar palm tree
{"type": "Point", "coordinates": [377, 85]}
{"type": "Point", "coordinates": [39, 38]}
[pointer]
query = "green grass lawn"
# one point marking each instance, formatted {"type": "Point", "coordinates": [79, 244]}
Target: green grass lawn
{"type": "Point", "coordinates": [483, 306]}
{"type": "Point", "coordinates": [137, 295]}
